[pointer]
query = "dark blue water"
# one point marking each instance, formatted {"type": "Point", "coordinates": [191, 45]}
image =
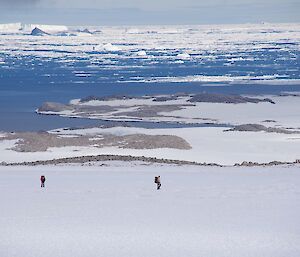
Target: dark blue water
{"type": "Point", "coordinates": [26, 82]}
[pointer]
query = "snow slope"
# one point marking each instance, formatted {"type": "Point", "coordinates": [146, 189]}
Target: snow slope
{"type": "Point", "coordinates": [116, 211]}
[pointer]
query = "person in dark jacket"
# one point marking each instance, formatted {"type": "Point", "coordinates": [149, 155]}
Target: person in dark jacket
{"type": "Point", "coordinates": [157, 181]}
{"type": "Point", "coordinates": [43, 179]}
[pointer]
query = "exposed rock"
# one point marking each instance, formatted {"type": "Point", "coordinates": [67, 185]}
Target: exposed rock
{"type": "Point", "coordinates": [150, 111]}
{"type": "Point", "coordinates": [142, 141]}
{"type": "Point", "coordinates": [248, 164]}
{"type": "Point", "coordinates": [269, 121]}
{"type": "Point", "coordinates": [97, 158]}
{"type": "Point", "coordinates": [230, 99]}
{"type": "Point", "coordinates": [54, 107]}
{"type": "Point", "coordinates": [105, 98]}
{"type": "Point", "coordinates": [165, 98]}
{"type": "Point", "coordinates": [272, 163]}
{"type": "Point", "coordinates": [41, 141]}
{"type": "Point", "coordinates": [258, 127]}
{"type": "Point", "coordinates": [129, 158]}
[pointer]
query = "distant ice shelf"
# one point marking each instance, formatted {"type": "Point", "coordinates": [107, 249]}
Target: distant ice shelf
{"type": "Point", "coordinates": [21, 27]}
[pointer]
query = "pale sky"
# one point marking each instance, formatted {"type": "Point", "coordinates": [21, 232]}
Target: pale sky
{"type": "Point", "coordinates": [105, 12]}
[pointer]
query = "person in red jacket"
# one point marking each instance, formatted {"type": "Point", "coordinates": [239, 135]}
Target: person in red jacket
{"type": "Point", "coordinates": [43, 179]}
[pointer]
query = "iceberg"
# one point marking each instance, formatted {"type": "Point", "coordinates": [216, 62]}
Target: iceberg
{"type": "Point", "coordinates": [183, 56]}
{"type": "Point", "coordinates": [38, 32]}
{"type": "Point", "coordinates": [111, 48]}
{"type": "Point", "coordinates": [141, 53]}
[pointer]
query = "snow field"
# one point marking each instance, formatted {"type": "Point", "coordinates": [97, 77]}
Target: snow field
{"type": "Point", "coordinates": [116, 211]}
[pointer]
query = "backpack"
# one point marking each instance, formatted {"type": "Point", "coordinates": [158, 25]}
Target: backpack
{"type": "Point", "coordinates": [156, 180]}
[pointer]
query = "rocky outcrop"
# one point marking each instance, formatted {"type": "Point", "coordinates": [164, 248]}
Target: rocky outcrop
{"type": "Point", "coordinates": [258, 127]}
{"type": "Point", "coordinates": [272, 163]}
{"type": "Point", "coordinates": [105, 98]}
{"type": "Point", "coordinates": [42, 141]}
{"type": "Point", "coordinates": [97, 158]}
{"type": "Point", "coordinates": [129, 158]}
{"type": "Point", "coordinates": [53, 107]}
{"type": "Point", "coordinates": [165, 98]}
{"type": "Point", "coordinates": [228, 99]}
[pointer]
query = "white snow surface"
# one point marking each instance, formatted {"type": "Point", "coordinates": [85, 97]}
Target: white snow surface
{"type": "Point", "coordinates": [266, 79]}
{"type": "Point", "coordinates": [285, 112]}
{"type": "Point", "coordinates": [116, 211]}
